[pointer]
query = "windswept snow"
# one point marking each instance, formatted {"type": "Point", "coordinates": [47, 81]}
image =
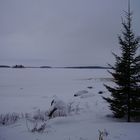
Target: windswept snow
{"type": "Point", "coordinates": [32, 90]}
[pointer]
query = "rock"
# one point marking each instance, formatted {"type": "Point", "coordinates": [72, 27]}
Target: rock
{"type": "Point", "coordinates": [100, 92]}
{"type": "Point", "coordinates": [79, 93]}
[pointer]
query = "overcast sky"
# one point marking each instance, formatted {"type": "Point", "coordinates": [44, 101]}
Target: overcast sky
{"type": "Point", "coordinates": [62, 32]}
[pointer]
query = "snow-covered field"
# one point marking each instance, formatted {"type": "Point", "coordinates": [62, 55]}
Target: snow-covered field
{"type": "Point", "coordinates": [29, 90]}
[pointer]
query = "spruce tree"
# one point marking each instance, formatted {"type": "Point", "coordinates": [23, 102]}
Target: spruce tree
{"type": "Point", "coordinates": [125, 95]}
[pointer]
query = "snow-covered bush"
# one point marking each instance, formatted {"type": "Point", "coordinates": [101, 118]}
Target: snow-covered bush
{"type": "Point", "coordinates": [73, 108]}
{"type": "Point", "coordinates": [58, 108]}
{"type": "Point", "coordinates": [41, 115]}
{"type": "Point", "coordinates": [39, 129]}
{"type": "Point", "coordinates": [36, 127]}
{"type": "Point", "coordinates": [9, 118]}
{"type": "Point", "coordinates": [103, 134]}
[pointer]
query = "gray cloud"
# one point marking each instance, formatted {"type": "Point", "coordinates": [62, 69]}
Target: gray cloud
{"type": "Point", "coordinates": [62, 32]}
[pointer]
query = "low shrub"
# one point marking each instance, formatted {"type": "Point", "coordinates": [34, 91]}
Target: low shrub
{"type": "Point", "coordinates": [9, 118]}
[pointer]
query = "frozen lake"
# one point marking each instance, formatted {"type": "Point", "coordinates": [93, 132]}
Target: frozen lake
{"type": "Point", "coordinates": [21, 90]}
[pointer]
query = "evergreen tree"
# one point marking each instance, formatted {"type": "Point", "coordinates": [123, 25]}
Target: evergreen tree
{"type": "Point", "coordinates": [125, 95]}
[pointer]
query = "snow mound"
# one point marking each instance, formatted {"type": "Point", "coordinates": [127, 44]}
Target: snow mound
{"type": "Point", "coordinates": [87, 95]}
{"type": "Point", "coordinates": [79, 93]}
{"type": "Point", "coordinates": [58, 108]}
{"type": "Point", "coordinates": [83, 94]}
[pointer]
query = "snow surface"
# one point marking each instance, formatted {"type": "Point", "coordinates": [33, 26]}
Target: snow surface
{"type": "Point", "coordinates": [30, 90]}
